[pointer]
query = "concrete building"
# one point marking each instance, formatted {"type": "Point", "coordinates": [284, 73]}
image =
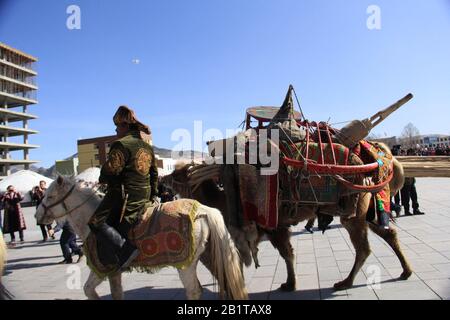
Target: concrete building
{"type": "Point", "coordinates": [93, 152]}
{"type": "Point", "coordinates": [422, 141]}
{"type": "Point", "coordinates": [67, 167]}
{"type": "Point", "coordinates": [165, 165]}
{"type": "Point", "coordinates": [17, 92]}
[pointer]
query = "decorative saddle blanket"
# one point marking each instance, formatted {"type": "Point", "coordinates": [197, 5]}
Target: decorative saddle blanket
{"type": "Point", "coordinates": [164, 238]}
{"type": "Point", "coordinates": [370, 152]}
{"type": "Point", "coordinates": [259, 196]}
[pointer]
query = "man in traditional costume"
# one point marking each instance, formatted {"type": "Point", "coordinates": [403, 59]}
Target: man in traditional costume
{"type": "Point", "coordinates": [131, 175]}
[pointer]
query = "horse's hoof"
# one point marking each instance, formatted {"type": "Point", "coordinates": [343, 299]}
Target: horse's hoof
{"type": "Point", "coordinates": [287, 287]}
{"type": "Point", "coordinates": [405, 275]}
{"type": "Point", "coordinates": [342, 285]}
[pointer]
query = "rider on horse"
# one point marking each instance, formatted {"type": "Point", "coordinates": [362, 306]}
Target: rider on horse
{"type": "Point", "coordinates": [131, 175]}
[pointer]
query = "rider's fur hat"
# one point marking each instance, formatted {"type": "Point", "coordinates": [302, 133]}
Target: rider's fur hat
{"type": "Point", "coordinates": [127, 115]}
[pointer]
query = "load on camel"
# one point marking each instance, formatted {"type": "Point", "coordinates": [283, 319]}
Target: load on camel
{"type": "Point", "coordinates": [323, 172]}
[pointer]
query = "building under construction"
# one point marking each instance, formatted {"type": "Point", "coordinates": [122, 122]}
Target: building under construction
{"type": "Point", "coordinates": [17, 92]}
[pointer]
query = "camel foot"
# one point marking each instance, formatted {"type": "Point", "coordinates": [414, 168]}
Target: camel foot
{"type": "Point", "coordinates": [343, 285]}
{"type": "Point", "coordinates": [405, 275]}
{"type": "Point", "coordinates": [288, 286]}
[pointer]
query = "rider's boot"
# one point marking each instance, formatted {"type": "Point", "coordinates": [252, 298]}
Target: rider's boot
{"type": "Point", "coordinates": [122, 249]}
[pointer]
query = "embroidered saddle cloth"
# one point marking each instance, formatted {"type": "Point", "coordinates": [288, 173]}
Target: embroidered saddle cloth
{"type": "Point", "coordinates": [164, 238]}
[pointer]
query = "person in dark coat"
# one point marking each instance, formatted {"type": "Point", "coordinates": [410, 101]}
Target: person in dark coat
{"type": "Point", "coordinates": [68, 242]}
{"type": "Point", "coordinates": [37, 195]}
{"type": "Point", "coordinates": [13, 216]}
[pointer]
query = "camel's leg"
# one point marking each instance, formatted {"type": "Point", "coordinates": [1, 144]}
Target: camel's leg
{"type": "Point", "coordinates": [92, 282]}
{"type": "Point", "coordinates": [280, 239]}
{"type": "Point", "coordinates": [390, 236]}
{"type": "Point", "coordinates": [115, 283]}
{"type": "Point", "coordinates": [357, 228]}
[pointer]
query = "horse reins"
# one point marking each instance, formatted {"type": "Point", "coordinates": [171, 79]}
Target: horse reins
{"type": "Point", "coordinates": [62, 202]}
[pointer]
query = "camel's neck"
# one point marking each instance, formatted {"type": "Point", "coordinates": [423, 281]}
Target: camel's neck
{"type": "Point", "coordinates": [79, 218]}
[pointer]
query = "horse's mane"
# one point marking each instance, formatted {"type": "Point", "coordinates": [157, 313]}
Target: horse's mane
{"type": "Point", "coordinates": [85, 191]}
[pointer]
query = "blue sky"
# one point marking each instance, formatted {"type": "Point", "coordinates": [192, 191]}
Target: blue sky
{"type": "Point", "coordinates": [210, 59]}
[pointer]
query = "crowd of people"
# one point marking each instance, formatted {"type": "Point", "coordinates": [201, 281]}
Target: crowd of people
{"type": "Point", "coordinates": [14, 222]}
{"type": "Point", "coordinates": [423, 151]}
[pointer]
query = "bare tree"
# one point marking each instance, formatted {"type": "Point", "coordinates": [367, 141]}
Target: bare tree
{"type": "Point", "coordinates": [409, 135]}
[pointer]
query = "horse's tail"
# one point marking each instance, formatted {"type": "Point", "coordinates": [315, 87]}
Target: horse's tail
{"type": "Point", "coordinates": [225, 258]}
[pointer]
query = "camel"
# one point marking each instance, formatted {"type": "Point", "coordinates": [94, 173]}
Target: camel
{"type": "Point", "coordinates": [208, 193]}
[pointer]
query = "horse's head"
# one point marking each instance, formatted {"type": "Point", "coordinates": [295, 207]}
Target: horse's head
{"type": "Point", "coordinates": [53, 206]}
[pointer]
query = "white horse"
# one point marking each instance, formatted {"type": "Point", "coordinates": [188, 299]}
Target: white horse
{"type": "Point", "coordinates": [213, 244]}
{"type": "Point", "coordinates": [4, 294]}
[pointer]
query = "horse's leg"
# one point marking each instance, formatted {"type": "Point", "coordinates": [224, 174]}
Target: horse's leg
{"type": "Point", "coordinates": [280, 239]}
{"type": "Point", "coordinates": [390, 236]}
{"type": "Point", "coordinates": [188, 277]}
{"type": "Point", "coordinates": [357, 229]}
{"type": "Point", "coordinates": [92, 282]}
{"type": "Point", "coordinates": [115, 283]}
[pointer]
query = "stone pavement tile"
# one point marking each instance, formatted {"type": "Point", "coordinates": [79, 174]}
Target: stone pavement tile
{"type": "Point", "coordinates": [267, 261]}
{"type": "Point", "coordinates": [443, 268]}
{"type": "Point", "coordinates": [340, 247]}
{"type": "Point", "coordinates": [264, 271]}
{"type": "Point", "coordinates": [307, 294]}
{"type": "Point", "coordinates": [445, 253]}
{"type": "Point", "coordinates": [406, 290]}
{"type": "Point", "coordinates": [307, 282]}
{"type": "Point", "coordinates": [345, 265]}
{"type": "Point", "coordinates": [361, 293]}
{"type": "Point", "coordinates": [389, 262]}
{"type": "Point", "coordinates": [329, 273]}
{"type": "Point", "coordinates": [306, 268]}
{"type": "Point", "coordinates": [441, 287]}
{"type": "Point", "coordinates": [324, 252]}
{"type": "Point", "coordinates": [327, 291]}
{"type": "Point", "coordinates": [280, 276]}
{"type": "Point", "coordinates": [344, 255]}
{"type": "Point", "coordinates": [323, 262]}
{"type": "Point", "coordinates": [421, 248]}
{"type": "Point", "coordinates": [440, 246]}
{"type": "Point", "coordinates": [433, 275]}
{"type": "Point", "coordinates": [409, 240]}
{"type": "Point", "coordinates": [396, 272]}
{"type": "Point", "coordinates": [321, 245]}
{"type": "Point", "coordinates": [421, 265]}
{"type": "Point", "coordinates": [434, 257]}
{"type": "Point", "coordinates": [305, 258]}
{"type": "Point", "coordinates": [260, 285]}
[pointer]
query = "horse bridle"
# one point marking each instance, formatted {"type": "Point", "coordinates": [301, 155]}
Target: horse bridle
{"type": "Point", "coordinates": [62, 202]}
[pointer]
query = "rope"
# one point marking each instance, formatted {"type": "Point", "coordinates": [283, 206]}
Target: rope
{"type": "Point", "coordinates": [299, 106]}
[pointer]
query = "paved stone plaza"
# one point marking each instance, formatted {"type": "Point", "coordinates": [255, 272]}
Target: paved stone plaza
{"type": "Point", "coordinates": [33, 273]}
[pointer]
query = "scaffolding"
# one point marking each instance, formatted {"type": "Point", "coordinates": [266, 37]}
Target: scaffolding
{"type": "Point", "coordinates": [18, 91]}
